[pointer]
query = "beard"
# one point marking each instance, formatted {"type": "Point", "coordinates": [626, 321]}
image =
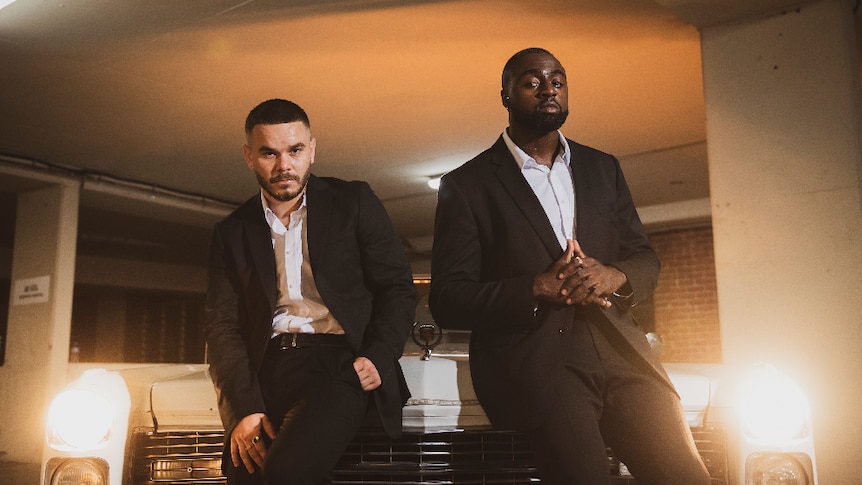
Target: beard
{"type": "Point", "coordinates": [541, 122]}
{"type": "Point", "coordinates": [283, 195]}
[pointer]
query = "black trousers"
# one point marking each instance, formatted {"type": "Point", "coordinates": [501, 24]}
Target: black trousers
{"type": "Point", "coordinates": [314, 399]}
{"type": "Point", "coordinates": [608, 398]}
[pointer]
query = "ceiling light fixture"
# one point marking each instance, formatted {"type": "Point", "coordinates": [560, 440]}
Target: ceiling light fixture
{"type": "Point", "coordinates": [434, 182]}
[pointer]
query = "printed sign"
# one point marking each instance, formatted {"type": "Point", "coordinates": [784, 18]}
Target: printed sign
{"type": "Point", "coordinates": [31, 290]}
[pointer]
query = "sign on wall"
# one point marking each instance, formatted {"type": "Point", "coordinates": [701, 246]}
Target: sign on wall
{"type": "Point", "coordinates": [31, 290]}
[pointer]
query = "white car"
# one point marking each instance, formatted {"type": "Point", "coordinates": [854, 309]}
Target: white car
{"type": "Point", "coordinates": [158, 424]}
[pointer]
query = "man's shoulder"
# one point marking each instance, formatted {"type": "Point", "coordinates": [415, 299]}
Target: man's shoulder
{"type": "Point", "coordinates": [499, 153]}
{"type": "Point", "coordinates": [340, 192]}
{"type": "Point", "coordinates": [336, 183]}
{"type": "Point", "coordinates": [244, 211]}
{"type": "Point", "coordinates": [336, 189]}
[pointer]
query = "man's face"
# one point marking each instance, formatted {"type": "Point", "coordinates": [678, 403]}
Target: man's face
{"type": "Point", "coordinates": [536, 94]}
{"type": "Point", "coordinates": [280, 157]}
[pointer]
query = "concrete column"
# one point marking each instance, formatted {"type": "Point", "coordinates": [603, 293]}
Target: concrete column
{"type": "Point", "coordinates": [40, 315]}
{"type": "Point", "coordinates": [785, 157]}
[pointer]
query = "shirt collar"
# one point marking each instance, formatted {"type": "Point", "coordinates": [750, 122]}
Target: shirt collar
{"type": "Point", "coordinates": [524, 160]}
{"type": "Point", "coordinates": [272, 220]}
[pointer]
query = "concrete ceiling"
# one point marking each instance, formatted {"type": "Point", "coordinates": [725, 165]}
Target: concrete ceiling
{"type": "Point", "coordinates": [156, 92]}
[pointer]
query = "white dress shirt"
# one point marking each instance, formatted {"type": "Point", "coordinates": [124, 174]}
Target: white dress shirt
{"type": "Point", "coordinates": [553, 187]}
{"type": "Point", "coordinates": [287, 246]}
{"type": "Point", "coordinates": [299, 306]}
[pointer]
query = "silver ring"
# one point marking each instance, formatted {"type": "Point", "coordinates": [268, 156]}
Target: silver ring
{"type": "Point", "coordinates": [578, 260]}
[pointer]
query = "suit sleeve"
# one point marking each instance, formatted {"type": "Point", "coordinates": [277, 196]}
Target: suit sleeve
{"type": "Point", "coordinates": [235, 381]}
{"type": "Point", "coordinates": [637, 259]}
{"type": "Point", "coordinates": [465, 293]}
{"type": "Point", "coordinates": [389, 277]}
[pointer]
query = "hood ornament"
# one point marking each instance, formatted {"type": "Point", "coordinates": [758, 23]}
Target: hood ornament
{"type": "Point", "coordinates": [426, 336]}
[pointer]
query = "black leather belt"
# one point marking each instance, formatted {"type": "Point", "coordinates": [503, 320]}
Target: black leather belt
{"type": "Point", "coordinates": [287, 341]}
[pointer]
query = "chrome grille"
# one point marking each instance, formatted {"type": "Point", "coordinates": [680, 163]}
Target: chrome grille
{"type": "Point", "coordinates": [711, 443]}
{"type": "Point", "coordinates": [468, 457]}
{"type": "Point", "coordinates": [176, 458]}
{"type": "Point", "coordinates": [465, 457]}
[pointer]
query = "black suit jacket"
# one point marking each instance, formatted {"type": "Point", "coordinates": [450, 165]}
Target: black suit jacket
{"type": "Point", "coordinates": [361, 273]}
{"type": "Point", "coordinates": [492, 238]}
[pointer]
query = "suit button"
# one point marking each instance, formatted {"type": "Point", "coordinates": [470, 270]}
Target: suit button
{"type": "Point", "coordinates": [564, 329]}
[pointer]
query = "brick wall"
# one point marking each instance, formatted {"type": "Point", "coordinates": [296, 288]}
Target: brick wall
{"type": "Point", "coordinates": [686, 301]}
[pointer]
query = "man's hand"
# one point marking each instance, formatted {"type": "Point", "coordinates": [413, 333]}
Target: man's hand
{"type": "Point", "coordinates": [548, 285]}
{"type": "Point", "coordinates": [369, 378]}
{"type": "Point", "coordinates": [246, 445]}
{"type": "Point", "coordinates": [586, 280]}
{"type": "Point", "coordinates": [578, 278]}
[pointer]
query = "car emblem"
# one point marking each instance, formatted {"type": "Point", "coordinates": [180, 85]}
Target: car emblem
{"type": "Point", "coordinates": [426, 336]}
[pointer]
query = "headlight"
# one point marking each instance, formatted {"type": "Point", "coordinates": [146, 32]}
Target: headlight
{"type": "Point", "coordinates": [773, 408]}
{"type": "Point", "coordinates": [79, 419]}
{"type": "Point", "coordinates": [90, 471]}
{"type": "Point", "coordinates": [778, 469]}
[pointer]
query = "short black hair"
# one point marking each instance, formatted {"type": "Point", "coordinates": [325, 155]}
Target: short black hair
{"type": "Point", "coordinates": [510, 64]}
{"type": "Point", "coordinates": [275, 112]}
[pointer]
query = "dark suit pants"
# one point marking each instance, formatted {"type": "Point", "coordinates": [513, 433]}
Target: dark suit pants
{"type": "Point", "coordinates": [608, 397]}
{"type": "Point", "coordinates": [314, 399]}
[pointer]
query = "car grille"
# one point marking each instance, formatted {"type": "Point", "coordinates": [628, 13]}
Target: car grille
{"type": "Point", "coordinates": [176, 458]}
{"type": "Point", "coordinates": [468, 457]}
{"type": "Point", "coordinates": [464, 457]}
{"type": "Point", "coordinates": [711, 443]}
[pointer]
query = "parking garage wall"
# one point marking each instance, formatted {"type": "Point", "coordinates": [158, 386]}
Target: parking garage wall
{"type": "Point", "coordinates": [686, 299]}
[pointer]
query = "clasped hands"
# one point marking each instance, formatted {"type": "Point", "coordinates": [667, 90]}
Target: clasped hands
{"type": "Point", "coordinates": [576, 278]}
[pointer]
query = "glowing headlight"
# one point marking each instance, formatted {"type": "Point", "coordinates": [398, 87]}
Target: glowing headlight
{"type": "Point", "coordinates": [79, 420]}
{"type": "Point", "coordinates": [89, 471]}
{"type": "Point", "coordinates": [778, 469]}
{"type": "Point", "coordinates": [773, 408]}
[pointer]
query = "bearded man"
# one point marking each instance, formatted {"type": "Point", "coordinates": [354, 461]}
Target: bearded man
{"type": "Point", "coordinates": [539, 251]}
{"type": "Point", "coordinates": [310, 299]}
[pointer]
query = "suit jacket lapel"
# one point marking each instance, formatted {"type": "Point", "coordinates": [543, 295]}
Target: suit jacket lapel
{"type": "Point", "coordinates": [506, 170]}
{"type": "Point", "coordinates": [586, 185]}
{"type": "Point", "coordinates": [259, 243]}
{"type": "Point", "coordinates": [318, 207]}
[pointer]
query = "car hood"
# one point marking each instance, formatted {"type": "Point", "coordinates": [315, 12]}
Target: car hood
{"type": "Point", "coordinates": [177, 397]}
{"type": "Point", "coordinates": [185, 403]}
{"type": "Point", "coordinates": [694, 391]}
{"type": "Point", "coordinates": [443, 395]}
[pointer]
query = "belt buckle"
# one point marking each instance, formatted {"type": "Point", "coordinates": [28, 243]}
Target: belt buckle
{"type": "Point", "coordinates": [284, 345]}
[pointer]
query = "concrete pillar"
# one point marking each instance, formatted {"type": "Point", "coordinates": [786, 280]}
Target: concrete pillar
{"type": "Point", "coordinates": [785, 157]}
{"type": "Point", "coordinates": [40, 314]}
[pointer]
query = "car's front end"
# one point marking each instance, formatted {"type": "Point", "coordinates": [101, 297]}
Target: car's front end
{"type": "Point", "coordinates": [94, 422]}
{"type": "Point", "coordinates": [159, 425]}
